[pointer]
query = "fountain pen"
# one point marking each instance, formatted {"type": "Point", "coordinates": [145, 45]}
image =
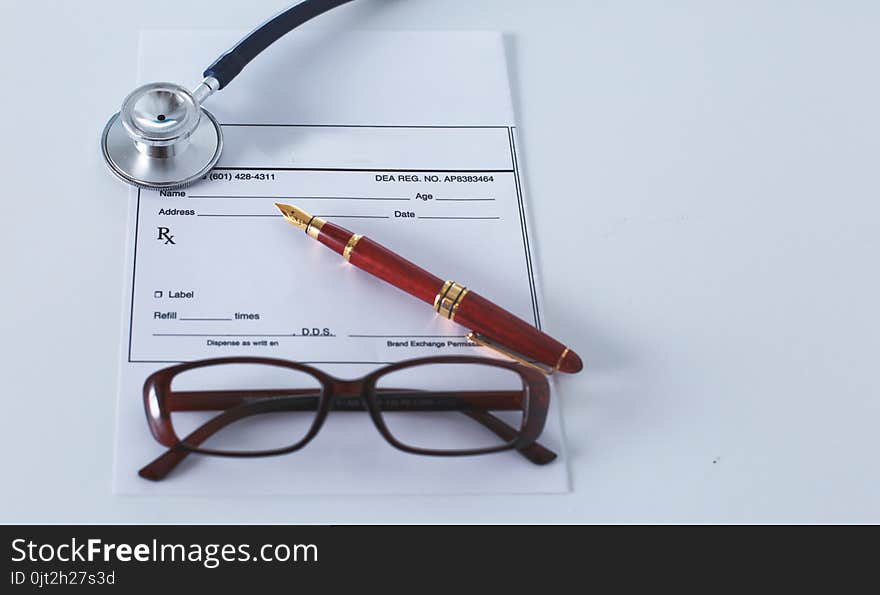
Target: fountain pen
{"type": "Point", "coordinates": [490, 325]}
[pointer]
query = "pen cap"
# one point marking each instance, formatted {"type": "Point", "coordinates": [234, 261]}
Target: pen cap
{"type": "Point", "coordinates": [497, 328]}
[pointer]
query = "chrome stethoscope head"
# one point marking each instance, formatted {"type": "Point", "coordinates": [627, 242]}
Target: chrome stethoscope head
{"type": "Point", "coordinates": [162, 137]}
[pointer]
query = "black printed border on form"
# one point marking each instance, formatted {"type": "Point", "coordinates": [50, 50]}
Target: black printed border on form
{"type": "Point", "coordinates": [527, 251]}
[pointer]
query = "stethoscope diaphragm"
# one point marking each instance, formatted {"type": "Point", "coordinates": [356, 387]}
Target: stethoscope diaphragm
{"type": "Point", "coordinates": [161, 138]}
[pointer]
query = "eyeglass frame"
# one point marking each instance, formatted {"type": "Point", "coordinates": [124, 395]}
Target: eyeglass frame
{"type": "Point", "coordinates": [157, 405]}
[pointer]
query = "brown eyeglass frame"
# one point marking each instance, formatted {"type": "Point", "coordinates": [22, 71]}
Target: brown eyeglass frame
{"type": "Point", "coordinates": [160, 401]}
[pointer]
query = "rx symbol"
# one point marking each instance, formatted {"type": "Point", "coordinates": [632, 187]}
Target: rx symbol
{"type": "Point", "coordinates": [165, 235]}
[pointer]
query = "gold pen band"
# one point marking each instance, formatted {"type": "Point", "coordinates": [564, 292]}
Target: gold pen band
{"type": "Point", "coordinates": [313, 227]}
{"type": "Point", "coordinates": [561, 357]}
{"type": "Point", "coordinates": [352, 242]}
{"type": "Point", "coordinates": [448, 300]}
{"type": "Point", "coordinates": [441, 294]}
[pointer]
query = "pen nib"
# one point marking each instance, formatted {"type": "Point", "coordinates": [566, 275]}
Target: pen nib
{"type": "Point", "coordinates": [294, 215]}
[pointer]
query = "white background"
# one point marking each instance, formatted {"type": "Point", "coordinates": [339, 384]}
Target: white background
{"type": "Point", "coordinates": [703, 179]}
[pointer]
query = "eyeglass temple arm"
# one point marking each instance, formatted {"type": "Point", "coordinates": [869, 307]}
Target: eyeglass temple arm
{"type": "Point", "coordinates": [240, 404]}
{"type": "Point", "coordinates": [534, 452]}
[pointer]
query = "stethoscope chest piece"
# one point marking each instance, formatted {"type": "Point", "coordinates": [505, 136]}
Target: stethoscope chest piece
{"type": "Point", "coordinates": [161, 138]}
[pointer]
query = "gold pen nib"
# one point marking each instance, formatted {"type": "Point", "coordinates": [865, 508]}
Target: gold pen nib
{"type": "Point", "coordinates": [294, 215]}
{"type": "Point", "coordinates": [299, 218]}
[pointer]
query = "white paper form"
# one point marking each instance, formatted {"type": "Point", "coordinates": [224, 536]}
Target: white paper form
{"type": "Point", "coordinates": [407, 138]}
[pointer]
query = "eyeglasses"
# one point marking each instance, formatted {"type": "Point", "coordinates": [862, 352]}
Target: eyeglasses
{"type": "Point", "coordinates": [256, 407]}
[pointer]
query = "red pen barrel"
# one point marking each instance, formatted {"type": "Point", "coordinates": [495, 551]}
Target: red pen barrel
{"type": "Point", "coordinates": [381, 262]}
{"type": "Point", "coordinates": [449, 299]}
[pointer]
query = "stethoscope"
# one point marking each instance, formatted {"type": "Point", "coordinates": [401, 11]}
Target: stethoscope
{"type": "Point", "coordinates": [162, 137]}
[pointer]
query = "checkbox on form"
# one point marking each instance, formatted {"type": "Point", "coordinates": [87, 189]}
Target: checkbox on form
{"type": "Point", "coordinates": [157, 294]}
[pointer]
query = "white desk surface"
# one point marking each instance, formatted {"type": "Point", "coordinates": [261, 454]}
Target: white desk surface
{"type": "Point", "coordinates": [704, 188]}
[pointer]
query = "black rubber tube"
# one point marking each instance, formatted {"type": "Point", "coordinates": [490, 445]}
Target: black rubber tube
{"type": "Point", "coordinates": [227, 66]}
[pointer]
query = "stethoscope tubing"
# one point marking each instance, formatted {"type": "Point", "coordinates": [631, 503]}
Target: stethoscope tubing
{"type": "Point", "coordinates": [227, 66]}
